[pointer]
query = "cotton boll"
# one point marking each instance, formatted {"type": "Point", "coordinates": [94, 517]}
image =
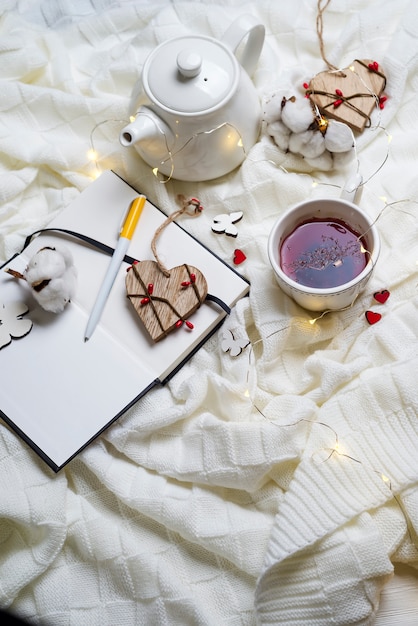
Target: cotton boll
{"type": "Point", "coordinates": [324, 162]}
{"type": "Point", "coordinates": [52, 277]}
{"type": "Point", "coordinates": [338, 137]}
{"type": "Point", "coordinates": [273, 108]}
{"type": "Point", "coordinates": [309, 144]}
{"type": "Point", "coordinates": [296, 142]}
{"type": "Point", "coordinates": [280, 133]}
{"type": "Point", "coordinates": [297, 114]}
{"type": "Point", "coordinates": [45, 263]}
{"type": "Point", "coordinates": [56, 295]}
{"type": "Point", "coordinates": [296, 128]}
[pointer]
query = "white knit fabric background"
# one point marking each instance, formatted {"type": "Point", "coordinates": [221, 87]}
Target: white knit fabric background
{"type": "Point", "coordinates": [221, 499]}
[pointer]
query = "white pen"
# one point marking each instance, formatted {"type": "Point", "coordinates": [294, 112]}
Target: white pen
{"type": "Point", "coordinates": [118, 255]}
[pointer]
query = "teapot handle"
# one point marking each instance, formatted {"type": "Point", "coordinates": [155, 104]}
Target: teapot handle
{"type": "Point", "coordinates": [246, 25]}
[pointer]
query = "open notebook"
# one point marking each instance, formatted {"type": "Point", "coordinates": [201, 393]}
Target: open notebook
{"type": "Point", "coordinates": [59, 392]}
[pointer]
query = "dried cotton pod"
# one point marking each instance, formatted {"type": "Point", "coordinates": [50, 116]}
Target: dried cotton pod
{"type": "Point", "coordinates": [273, 107]}
{"type": "Point", "coordinates": [280, 134]}
{"type": "Point", "coordinates": [309, 143]}
{"type": "Point", "coordinates": [51, 276]}
{"type": "Point", "coordinates": [338, 137]}
{"type": "Point", "coordinates": [297, 114]}
{"type": "Point", "coordinates": [299, 129]}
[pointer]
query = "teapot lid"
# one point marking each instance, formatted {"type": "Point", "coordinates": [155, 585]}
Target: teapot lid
{"type": "Point", "coordinates": [191, 74]}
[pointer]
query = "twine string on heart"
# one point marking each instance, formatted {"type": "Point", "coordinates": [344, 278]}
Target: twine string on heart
{"type": "Point", "coordinates": [338, 98]}
{"type": "Point", "coordinates": [156, 298]}
{"type": "Point", "coordinates": [164, 298]}
{"type": "Point", "coordinates": [191, 207]}
{"type": "Point", "coordinates": [320, 31]}
{"type": "Point", "coordinates": [164, 303]}
{"type": "Point", "coordinates": [335, 100]}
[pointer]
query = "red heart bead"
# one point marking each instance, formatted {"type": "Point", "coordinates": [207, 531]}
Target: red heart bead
{"type": "Point", "coordinates": [372, 317]}
{"type": "Point", "coordinates": [239, 257]}
{"type": "Point", "coordinates": [381, 296]}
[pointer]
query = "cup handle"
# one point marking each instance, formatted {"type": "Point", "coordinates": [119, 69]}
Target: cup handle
{"type": "Point", "coordinates": [353, 189]}
{"type": "Point", "coordinates": [246, 25]}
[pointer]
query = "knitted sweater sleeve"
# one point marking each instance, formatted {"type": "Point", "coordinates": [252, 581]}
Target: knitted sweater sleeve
{"type": "Point", "coordinates": [347, 509]}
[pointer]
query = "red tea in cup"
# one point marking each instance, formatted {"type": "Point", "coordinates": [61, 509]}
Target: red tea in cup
{"type": "Point", "coordinates": [323, 253]}
{"type": "Point", "coordinates": [337, 260]}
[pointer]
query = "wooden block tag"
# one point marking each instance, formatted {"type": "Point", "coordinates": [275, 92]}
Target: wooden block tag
{"type": "Point", "coordinates": [164, 302]}
{"type": "Point", "coordinates": [349, 95]}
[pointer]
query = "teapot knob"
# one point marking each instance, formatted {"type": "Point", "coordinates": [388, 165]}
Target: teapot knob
{"type": "Point", "coordinates": [189, 63]}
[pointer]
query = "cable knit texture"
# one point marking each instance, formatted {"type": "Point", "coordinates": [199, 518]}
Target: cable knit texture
{"type": "Point", "coordinates": [279, 486]}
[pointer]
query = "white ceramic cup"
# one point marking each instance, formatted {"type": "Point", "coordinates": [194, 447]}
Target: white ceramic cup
{"type": "Point", "coordinates": [334, 298]}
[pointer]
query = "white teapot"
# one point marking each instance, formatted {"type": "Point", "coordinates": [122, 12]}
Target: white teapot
{"type": "Point", "coordinates": [196, 111]}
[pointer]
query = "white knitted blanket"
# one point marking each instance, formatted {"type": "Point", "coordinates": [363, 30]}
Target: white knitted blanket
{"type": "Point", "coordinates": [275, 487]}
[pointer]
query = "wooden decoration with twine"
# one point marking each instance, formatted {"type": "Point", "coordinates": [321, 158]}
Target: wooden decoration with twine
{"type": "Point", "coordinates": [348, 95]}
{"type": "Point", "coordinates": [164, 298]}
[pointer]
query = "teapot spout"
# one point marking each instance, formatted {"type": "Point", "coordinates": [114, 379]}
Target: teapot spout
{"type": "Point", "coordinates": [148, 134]}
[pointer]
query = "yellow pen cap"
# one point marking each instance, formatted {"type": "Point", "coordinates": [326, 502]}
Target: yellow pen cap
{"type": "Point", "coordinates": [132, 218]}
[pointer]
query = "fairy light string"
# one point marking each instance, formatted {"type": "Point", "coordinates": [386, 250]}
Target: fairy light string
{"type": "Point", "coordinates": [172, 155]}
{"type": "Point", "coordinates": [326, 452]}
{"type": "Point", "coordinates": [336, 449]}
{"type": "Point", "coordinates": [195, 135]}
{"type": "Point", "coordinates": [93, 154]}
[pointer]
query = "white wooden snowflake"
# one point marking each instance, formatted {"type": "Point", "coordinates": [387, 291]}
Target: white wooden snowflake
{"type": "Point", "coordinates": [12, 326]}
{"type": "Point", "coordinates": [224, 223]}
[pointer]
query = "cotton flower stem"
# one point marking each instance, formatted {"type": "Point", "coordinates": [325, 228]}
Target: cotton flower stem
{"type": "Point", "coordinates": [14, 273]}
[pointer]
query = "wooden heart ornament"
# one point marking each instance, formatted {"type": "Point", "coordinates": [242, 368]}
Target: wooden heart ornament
{"type": "Point", "coordinates": [165, 301]}
{"type": "Point", "coordinates": [349, 95]}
